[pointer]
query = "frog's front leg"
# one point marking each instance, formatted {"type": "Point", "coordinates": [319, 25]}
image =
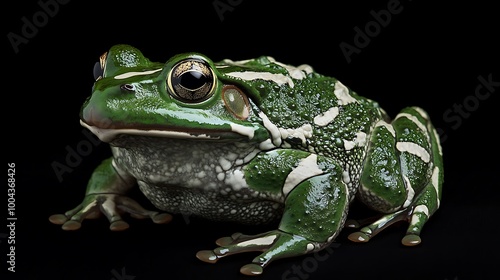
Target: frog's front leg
{"type": "Point", "coordinates": [316, 204]}
{"type": "Point", "coordinates": [403, 175]}
{"type": "Point", "coordinates": [105, 194]}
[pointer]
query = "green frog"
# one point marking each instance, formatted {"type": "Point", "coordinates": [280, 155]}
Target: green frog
{"type": "Point", "coordinates": [254, 141]}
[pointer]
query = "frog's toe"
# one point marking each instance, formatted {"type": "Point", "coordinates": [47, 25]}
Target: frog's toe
{"type": "Point", "coordinates": [224, 241]}
{"type": "Point", "coordinates": [71, 225]}
{"type": "Point", "coordinates": [65, 222]}
{"type": "Point", "coordinates": [359, 237]}
{"type": "Point", "coordinates": [58, 219]}
{"type": "Point", "coordinates": [234, 244]}
{"type": "Point", "coordinates": [352, 224]}
{"type": "Point", "coordinates": [161, 218]}
{"type": "Point", "coordinates": [251, 269]}
{"type": "Point", "coordinates": [72, 219]}
{"type": "Point", "coordinates": [207, 256]}
{"type": "Point", "coordinates": [411, 240]}
{"type": "Point", "coordinates": [112, 206]}
{"type": "Point", "coordinates": [119, 225]}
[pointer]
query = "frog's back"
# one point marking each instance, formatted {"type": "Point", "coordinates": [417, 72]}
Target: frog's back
{"type": "Point", "coordinates": [312, 112]}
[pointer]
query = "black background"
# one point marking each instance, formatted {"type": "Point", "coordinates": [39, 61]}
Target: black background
{"type": "Point", "coordinates": [429, 55]}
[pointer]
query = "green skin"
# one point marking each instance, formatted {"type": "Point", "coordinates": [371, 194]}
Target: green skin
{"type": "Point", "coordinates": [254, 141]}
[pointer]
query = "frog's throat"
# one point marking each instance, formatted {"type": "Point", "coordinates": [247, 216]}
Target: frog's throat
{"type": "Point", "coordinates": [108, 134]}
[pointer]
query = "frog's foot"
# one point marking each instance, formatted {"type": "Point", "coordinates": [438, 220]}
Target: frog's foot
{"type": "Point", "coordinates": [416, 216]}
{"type": "Point", "coordinates": [274, 244]}
{"type": "Point", "coordinates": [369, 231]}
{"type": "Point", "coordinates": [112, 206]}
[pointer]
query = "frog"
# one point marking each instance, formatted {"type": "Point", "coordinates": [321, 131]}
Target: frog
{"type": "Point", "coordinates": [253, 142]}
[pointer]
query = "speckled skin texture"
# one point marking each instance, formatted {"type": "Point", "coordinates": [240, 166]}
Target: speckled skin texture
{"type": "Point", "coordinates": [187, 177]}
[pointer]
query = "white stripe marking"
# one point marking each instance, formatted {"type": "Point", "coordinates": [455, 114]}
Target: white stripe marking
{"type": "Point", "coordinates": [307, 168]}
{"type": "Point", "coordinates": [410, 192]}
{"type": "Point", "coordinates": [273, 129]}
{"type": "Point", "coordinates": [298, 73]}
{"type": "Point", "coordinates": [243, 130]}
{"type": "Point", "coordinates": [414, 149]}
{"type": "Point", "coordinates": [419, 209]}
{"type": "Point", "coordinates": [435, 182]}
{"type": "Point", "coordinates": [421, 112]}
{"type": "Point", "coordinates": [266, 145]}
{"type": "Point", "coordinates": [386, 125]}
{"type": "Point", "coordinates": [360, 140]}
{"type": "Point", "coordinates": [303, 132]}
{"type": "Point", "coordinates": [132, 74]}
{"type": "Point", "coordinates": [280, 79]}
{"type": "Point", "coordinates": [414, 119]}
{"type": "Point", "coordinates": [306, 68]}
{"type": "Point", "coordinates": [342, 94]}
{"type": "Point", "coordinates": [107, 135]}
{"type": "Point", "coordinates": [438, 141]}
{"type": "Point", "coordinates": [326, 117]}
{"type": "Point", "coordinates": [266, 240]}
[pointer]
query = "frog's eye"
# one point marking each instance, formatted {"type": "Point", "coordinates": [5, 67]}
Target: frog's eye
{"type": "Point", "coordinates": [100, 66]}
{"type": "Point", "coordinates": [191, 80]}
{"type": "Point", "coordinates": [236, 102]}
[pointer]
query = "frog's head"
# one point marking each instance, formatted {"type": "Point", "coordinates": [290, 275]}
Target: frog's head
{"type": "Point", "coordinates": [186, 97]}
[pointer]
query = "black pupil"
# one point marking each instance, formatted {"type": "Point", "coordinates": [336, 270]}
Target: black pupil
{"type": "Point", "coordinates": [193, 80]}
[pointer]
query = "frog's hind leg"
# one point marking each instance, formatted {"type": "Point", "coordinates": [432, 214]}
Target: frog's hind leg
{"type": "Point", "coordinates": [429, 201]}
{"type": "Point", "coordinates": [315, 210]}
{"type": "Point", "coordinates": [403, 175]}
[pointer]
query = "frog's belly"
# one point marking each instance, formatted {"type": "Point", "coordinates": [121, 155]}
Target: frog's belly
{"type": "Point", "coordinates": [211, 204]}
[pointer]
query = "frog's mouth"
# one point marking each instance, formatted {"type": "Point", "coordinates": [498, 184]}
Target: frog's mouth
{"type": "Point", "coordinates": [236, 132]}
